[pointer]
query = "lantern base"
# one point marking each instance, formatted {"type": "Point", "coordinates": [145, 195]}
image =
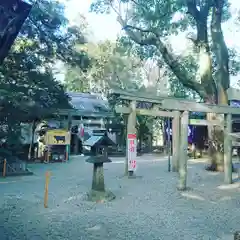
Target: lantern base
{"type": "Point", "coordinates": [237, 235]}
{"type": "Point", "coordinates": [100, 196]}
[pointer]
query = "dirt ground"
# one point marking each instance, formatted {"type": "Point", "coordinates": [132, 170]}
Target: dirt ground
{"type": "Point", "coordinates": [149, 207]}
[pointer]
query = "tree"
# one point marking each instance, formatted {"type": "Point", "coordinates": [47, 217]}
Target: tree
{"type": "Point", "coordinates": [109, 66]}
{"type": "Point", "coordinates": [29, 90]}
{"type": "Point", "coordinates": [149, 23]}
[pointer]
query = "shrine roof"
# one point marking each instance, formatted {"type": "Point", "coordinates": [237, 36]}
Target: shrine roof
{"type": "Point", "coordinates": [87, 104]}
{"type": "Point", "coordinates": [98, 140]}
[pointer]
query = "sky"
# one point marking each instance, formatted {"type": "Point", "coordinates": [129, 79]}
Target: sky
{"type": "Point", "coordinates": [103, 26]}
{"type": "Point", "coordinates": [106, 27]}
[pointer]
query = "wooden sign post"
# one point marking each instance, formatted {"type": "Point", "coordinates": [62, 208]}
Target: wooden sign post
{"type": "Point", "coordinates": [58, 137]}
{"type": "Point", "coordinates": [132, 153]}
{"type": "Point", "coordinates": [131, 130]}
{"type": "Point", "coordinates": [47, 178]}
{"type": "Point", "coordinates": [4, 167]}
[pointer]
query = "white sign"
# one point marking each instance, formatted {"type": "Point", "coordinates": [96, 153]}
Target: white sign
{"type": "Point", "coordinates": [132, 152]}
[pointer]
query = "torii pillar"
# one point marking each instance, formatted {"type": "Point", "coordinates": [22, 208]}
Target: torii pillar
{"type": "Point", "coordinates": [176, 141]}
{"type": "Point", "coordinates": [131, 129]}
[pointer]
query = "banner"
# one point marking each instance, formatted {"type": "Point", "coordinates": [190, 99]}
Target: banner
{"type": "Point", "coordinates": [132, 152]}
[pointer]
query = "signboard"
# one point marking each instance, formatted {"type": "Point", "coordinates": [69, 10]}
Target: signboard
{"type": "Point", "coordinates": [132, 152]}
{"type": "Point", "coordinates": [57, 137]}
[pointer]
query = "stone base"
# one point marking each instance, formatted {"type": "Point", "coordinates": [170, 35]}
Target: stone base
{"type": "Point", "coordinates": [97, 196]}
{"type": "Point", "coordinates": [182, 189]}
{"type": "Point", "coordinates": [134, 176]}
{"type": "Point", "coordinates": [237, 235]}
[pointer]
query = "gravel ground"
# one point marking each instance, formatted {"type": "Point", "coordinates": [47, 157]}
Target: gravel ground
{"type": "Point", "coordinates": [145, 208]}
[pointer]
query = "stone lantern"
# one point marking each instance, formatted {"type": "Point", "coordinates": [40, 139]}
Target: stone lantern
{"type": "Point", "coordinates": [99, 143]}
{"type": "Point", "coordinates": [237, 235]}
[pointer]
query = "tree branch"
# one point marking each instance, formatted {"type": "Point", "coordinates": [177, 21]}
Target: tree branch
{"type": "Point", "coordinates": [137, 36]}
{"type": "Point", "coordinates": [180, 71]}
{"type": "Point", "coordinates": [219, 47]}
{"type": "Point", "coordinates": [206, 8]}
{"type": "Point", "coordinates": [199, 15]}
{"type": "Point", "coordinates": [192, 9]}
{"type": "Point", "coordinates": [154, 40]}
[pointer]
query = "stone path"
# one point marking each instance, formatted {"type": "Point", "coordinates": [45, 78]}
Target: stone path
{"type": "Point", "coordinates": [145, 208]}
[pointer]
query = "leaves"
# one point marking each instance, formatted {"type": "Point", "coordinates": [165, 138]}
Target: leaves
{"type": "Point", "coordinates": [149, 25]}
{"type": "Point", "coordinates": [109, 66]}
{"type": "Point", "coordinates": [29, 90]}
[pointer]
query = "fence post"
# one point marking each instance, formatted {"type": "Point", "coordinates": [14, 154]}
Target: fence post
{"type": "Point", "coordinates": [47, 178]}
{"type": "Point", "coordinates": [4, 167]}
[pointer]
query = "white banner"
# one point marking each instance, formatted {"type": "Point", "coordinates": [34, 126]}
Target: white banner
{"type": "Point", "coordinates": [132, 152]}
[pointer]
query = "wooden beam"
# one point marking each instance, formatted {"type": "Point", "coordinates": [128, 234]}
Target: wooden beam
{"type": "Point", "coordinates": [199, 107]}
{"type": "Point", "coordinates": [146, 112]}
{"type": "Point", "coordinates": [177, 104]}
{"type": "Point", "coordinates": [233, 94]}
{"type": "Point", "coordinates": [203, 122]}
{"type": "Point", "coordinates": [235, 144]}
{"type": "Point", "coordinates": [235, 136]}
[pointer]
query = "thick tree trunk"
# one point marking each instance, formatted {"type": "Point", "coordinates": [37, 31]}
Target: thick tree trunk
{"type": "Point", "coordinates": [216, 137]}
{"type": "Point", "coordinates": [222, 79]}
{"type": "Point", "coordinates": [212, 88]}
{"type": "Point", "coordinates": [215, 146]}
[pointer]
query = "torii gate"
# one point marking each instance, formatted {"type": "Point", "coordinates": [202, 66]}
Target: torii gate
{"type": "Point", "coordinates": [178, 109]}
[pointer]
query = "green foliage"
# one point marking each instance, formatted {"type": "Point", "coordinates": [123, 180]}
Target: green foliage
{"type": "Point", "coordinates": [29, 90]}
{"type": "Point", "coordinates": [149, 24]}
{"type": "Point", "coordinates": [109, 66]}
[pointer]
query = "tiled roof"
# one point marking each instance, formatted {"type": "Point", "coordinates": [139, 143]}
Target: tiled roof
{"type": "Point", "coordinates": [87, 102]}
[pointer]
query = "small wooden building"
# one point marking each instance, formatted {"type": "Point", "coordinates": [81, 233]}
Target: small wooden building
{"type": "Point", "coordinates": [90, 112]}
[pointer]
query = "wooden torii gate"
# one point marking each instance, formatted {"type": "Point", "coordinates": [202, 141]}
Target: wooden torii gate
{"type": "Point", "coordinates": [178, 109]}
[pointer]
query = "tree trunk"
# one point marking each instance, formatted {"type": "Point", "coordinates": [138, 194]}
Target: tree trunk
{"type": "Point", "coordinates": [216, 134]}
{"type": "Point", "coordinates": [212, 88]}
{"type": "Point", "coordinates": [215, 146]}
{"type": "Point", "coordinates": [140, 142]}
{"type": "Point", "coordinates": [30, 151]}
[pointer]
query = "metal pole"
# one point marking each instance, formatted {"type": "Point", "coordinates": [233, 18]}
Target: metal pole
{"type": "Point", "coordinates": [169, 146]}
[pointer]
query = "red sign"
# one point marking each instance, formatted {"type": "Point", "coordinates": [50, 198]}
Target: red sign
{"type": "Point", "coordinates": [81, 131]}
{"type": "Point", "coordinates": [132, 152]}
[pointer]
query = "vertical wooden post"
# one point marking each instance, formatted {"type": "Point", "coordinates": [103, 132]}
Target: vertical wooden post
{"type": "Point", "coordinates": [46, 189]}
{"type": "Point", "coordinates": [183, 152]}
{"type": "Point", "coordinates": [131, 129]}
{"type": "Point", "coordinates": [67, 155]}
{"type": "Point", "coordinates": [48, 154]}
{"type": "Point", "coordinates": [76, 144]}
{"type": "Point", "coordinates": [228, 150]}
{"type": "Point", "coordinates": [4, 167]}
{"type": "Point", "coordinates": [69, 126]}
{"type": "Point", "coordinates": [175, 141]}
